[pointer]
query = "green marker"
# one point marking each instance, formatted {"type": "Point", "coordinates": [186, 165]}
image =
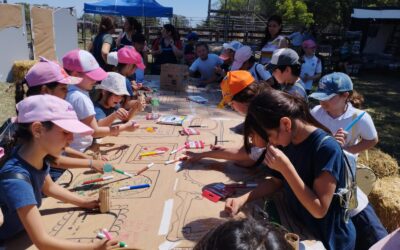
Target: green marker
{"type": "Point", "coordinates": [122, 244]}
{"type": "Point", "coordinates": [123, 172]}
{"type": "Point", "coordinates": [102, 236]}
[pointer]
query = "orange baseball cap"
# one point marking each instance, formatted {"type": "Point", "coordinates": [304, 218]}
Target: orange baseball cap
{"type": "Point", "coordinates": [233, 83]}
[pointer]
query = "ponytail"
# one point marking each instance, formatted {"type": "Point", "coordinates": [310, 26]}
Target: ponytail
{"type": "Point", "coordinates": [356, 99]}
{"type": "Point", "coordinates": [20, 90]}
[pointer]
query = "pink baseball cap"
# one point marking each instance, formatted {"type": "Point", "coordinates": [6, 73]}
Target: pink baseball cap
{"type": "Point", "coordinates": [83, 61]}
{"type": "Point", "coordinates": [243, 54]}
{"type": "Point", "coordinates": [309, 44]}
{"type": "Point", "coordinates": [129, 55]}
{"type": "Point", "coordinates": [46, 71]}
{"type": "Point", "coordinates": [41, 108]}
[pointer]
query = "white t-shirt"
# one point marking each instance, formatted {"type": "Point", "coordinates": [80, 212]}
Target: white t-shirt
{"type": "Point", "coordinates": [259, 72]}
{"type": "Point", "coordinates": [364, 128]}
{"type": "Point", "coordinates": [206, 67]}
{"type": "Point", "coordinates": [311, 66]}
{"type": "Point", "coordinates": [84, 108]}
{"type": "Point", "coordinates": [269, 48]}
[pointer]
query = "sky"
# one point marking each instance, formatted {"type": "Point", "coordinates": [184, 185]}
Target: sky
{"type": "Point", "coordinates": [195, 9]}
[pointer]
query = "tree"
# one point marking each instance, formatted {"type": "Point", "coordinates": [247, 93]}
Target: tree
{"type": "Point", "coordinates": [294, 12]}
{"type": "Point", "coordinates": [180, 21]}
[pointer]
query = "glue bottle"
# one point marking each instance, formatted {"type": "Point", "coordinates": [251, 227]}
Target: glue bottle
{"type": "Point", "coordinates": [155, 104]}
{"type": "Point", "coordinates": [194, 144]}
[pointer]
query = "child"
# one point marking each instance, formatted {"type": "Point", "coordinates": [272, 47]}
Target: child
{"type": "Point", "coordinates": [238, 89]}
{"type": "Point", "coordinates": [205, 64]}
{"type": "Point", "coordinates": [309, 167]}
{"type": "Point", "coordinates": [47, 77]}
{"type": "Point", "coordinates": [336, 111]}
{"type": "Point", "coordinates": [189, 53]}
{"type": "Point", "coordinates": [285, 67]}
{"type": "Point", "coordinates": [311, 67]}
{"type": "Point", "coordinates": [245, 60]}
{"type": "Point", "coordinates": [107, 108]}
{"type": "Point", "coordinates": [139, 43]}
{"type": "Point", "coordinates": [45, 127]}
{"type": "Point", "coordinates": [244, 234]}
{"type": "Point", "coordinates": [81, 63]}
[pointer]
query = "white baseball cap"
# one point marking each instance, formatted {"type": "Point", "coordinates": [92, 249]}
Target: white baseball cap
{"type": "Point", "coordinates": [114, 83]}
{"type": "Point", "coordinates": [243, 54]}
{"type": "Point", "coordinates": [83, 61]}
{"type": "Point", "coordinates": [112, 58]}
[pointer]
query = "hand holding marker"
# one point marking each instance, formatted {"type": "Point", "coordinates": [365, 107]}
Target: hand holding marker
{"type": "Point", "coordinates": [105, 234]}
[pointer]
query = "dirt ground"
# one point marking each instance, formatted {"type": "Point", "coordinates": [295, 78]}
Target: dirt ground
{"type": "Point", "coordinates": [382, 100]}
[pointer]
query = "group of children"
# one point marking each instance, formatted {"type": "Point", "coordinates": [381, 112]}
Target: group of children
{"type": "Point", "coordinates": [301, 149]}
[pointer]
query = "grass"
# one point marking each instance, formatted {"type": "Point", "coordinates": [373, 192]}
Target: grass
{"type": "Point", "coordinates": [381, 92]}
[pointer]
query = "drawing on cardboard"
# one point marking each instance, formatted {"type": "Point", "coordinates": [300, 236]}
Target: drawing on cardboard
{"type": "Point", "coordinates": [141, 148]}
{"type": "Point", "coordinates": [113, 152]}
{"type": "Point", "coordinates": [149, 177]}
{"type": "Point", "coordinates": [187, 222]}
{"type": "Point", "coordinates": [159, 130]}
{"type": "Point", "coordinates": [82, 226]}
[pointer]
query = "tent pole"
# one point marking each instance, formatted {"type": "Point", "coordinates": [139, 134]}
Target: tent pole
{"type": "Point", "coordinates": [84, 32]}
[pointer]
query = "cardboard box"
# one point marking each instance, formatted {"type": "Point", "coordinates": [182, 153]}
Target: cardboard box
{"type": "Point", "coordinates": [174, 77]}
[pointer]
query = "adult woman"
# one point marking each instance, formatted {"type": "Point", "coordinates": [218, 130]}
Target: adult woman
{"type": "Point", "coordinates": [167, 49]}
{"type": "Point", "coordinates": [103, 43]}
{"type": "Point", "coordinates": [131, 27]}
{"type": "Point", "coordinates": [273, 39]}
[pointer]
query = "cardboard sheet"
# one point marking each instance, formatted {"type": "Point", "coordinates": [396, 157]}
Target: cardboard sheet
{"type": "Point", "coordinates": [171, 213]}
{"type": "Point", "coordinates": [11, 16]}
{"type": "Point", "coordinates": [43, 33]}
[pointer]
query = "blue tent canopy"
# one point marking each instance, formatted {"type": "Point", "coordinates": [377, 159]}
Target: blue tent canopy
{"type": "Point", "coordinates": [145, 8]}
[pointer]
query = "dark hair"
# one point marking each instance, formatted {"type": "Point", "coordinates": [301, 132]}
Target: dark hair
{"type": "Point", "coordinates": [174, 33]}
{"type": "Point", "coordinates": [244, 234]}
{"type": "Point", "coordinates": [135, 25]}
{"type": "Point", "coordinates": [99, 95]}
{"type": "Point", "coordinates": [35, 90]}
{"type": "Point", "coordinates": [296, 68]}
{"type": "Point", "coordinates": [273, 18]}
{"type": "Point", "coordinates": [121, 66]}
{"type": "Point", "coordinates": [267, 109]}
{"type": "Point", "coordinates": [138, 38]}
{"type": "Point", "coordinates": [247, 94]}
{"type": "Point", "coordinates": [199, 44]}
{"type": "Point", "coordinates": [106, 24]}
{"type": "Point", "coordinates": [21, 135]}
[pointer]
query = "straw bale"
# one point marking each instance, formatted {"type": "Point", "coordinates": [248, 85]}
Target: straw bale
{"type": "Point", "coordinates": [385, 198]}
{"type": "Point", "coordinates": [20, 68]}
{"type": "Point", "coordinates": [381, 163]}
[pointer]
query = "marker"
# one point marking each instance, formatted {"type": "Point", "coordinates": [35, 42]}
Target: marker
{"type": "Point", "coordinates": [181, 158]}
{"type": "Point", "coordinates": [152, 153]}
{"type": "Point", "coordinates": [133, 187]}
{"type": "Point", "coordinates": [242, 185]}
{"type": "Point", "coordinates": [106, 233]}
{"type": "Point", "coordinates": [122, 172]}
{"type": "Point", "coordinates": [197, 126]}
{"type": "Point", "coordinates": [354, 122]}
{"type": "Point", "coordinates": [177, 150]}
{"type": "Point", "coordinates": [102, 236]}
{"type": "Point", "coordinates": [145, 168]}
{"type": "Point", "coordinates": [98, 180]}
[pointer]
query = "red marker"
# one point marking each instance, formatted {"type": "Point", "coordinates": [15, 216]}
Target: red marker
{"type": "Point", "coordinates": [98, 180]}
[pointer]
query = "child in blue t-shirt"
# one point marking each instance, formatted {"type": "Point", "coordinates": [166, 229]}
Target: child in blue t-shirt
{"type": "Point", "coordinates": [113, 89]}
{"type": "Point", "coordinates": [45, 127]}
{"type": "Point", "coordinates": [82, 64]}
{"type": "Point", "coordinates": [308, 167]}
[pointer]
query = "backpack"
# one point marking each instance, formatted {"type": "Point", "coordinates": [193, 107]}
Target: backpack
{"type": "Point", "coordinates": [347, 195]}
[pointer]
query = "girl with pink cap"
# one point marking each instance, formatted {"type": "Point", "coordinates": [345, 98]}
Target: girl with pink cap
{"type": "Point", "coordinates": [45, 127]}
{"type": "Point", "coordinates": [48, 77]}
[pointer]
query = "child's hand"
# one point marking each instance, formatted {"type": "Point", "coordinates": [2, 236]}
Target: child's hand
{"type": "Point", "coordinates": [105, 244]}
{"type": "Point", "coordinates": [122, 114]}
{"type": "Point", "coordinates": [90, 203]}
{"type": "Point", "coordinates": [340, 137]}
{"type": "Point", "coordinates": [131, 126]}
{"type": "Point", "coordinates": [216, 147]}
{"type": "Point", "coordinates": [193, 157]}
{"type": "Point", "coordinates": [276, 159]}
{"type": "Point", "coordinates": [98, 165]}
{"type": "Point", "coordinates": [233, 205]}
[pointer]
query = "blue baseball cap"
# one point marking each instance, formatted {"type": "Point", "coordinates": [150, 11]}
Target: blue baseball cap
{"type": "Point", "coordinates": [192, 36]}
{"type": "Point", "coordinates": [332, 84]}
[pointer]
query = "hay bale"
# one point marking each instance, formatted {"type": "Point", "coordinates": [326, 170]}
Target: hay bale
{"type": "Point", "coordinates": [381, 163]}
{"type": "Point", "coordinates": [20, 68]}
{"type": "Point", "coordinates": [385, 198]}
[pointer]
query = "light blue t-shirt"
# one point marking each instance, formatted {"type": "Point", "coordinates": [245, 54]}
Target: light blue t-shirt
{"type": "Point", "coordinates": [84, 108]}
{"type": "Point", "coordinates": [297, 89]}
{"type": "Point", "coordinates": [206, 67]}
{"type": "Point", "coordinates": [16, 193]}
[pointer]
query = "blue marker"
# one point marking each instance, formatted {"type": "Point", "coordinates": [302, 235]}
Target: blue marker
{"type": "Point", "coordinates": [354, 122]}
{"type": "Point", "coordinates": [133, 187]}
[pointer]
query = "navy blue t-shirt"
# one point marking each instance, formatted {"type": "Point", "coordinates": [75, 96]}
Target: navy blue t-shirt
{"type": "Point", "coordinates": [102, 112]}
{"type": "Point", "coordinates": [310, 162]}
{"type": "Point", "coordinates": [16, 193]}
